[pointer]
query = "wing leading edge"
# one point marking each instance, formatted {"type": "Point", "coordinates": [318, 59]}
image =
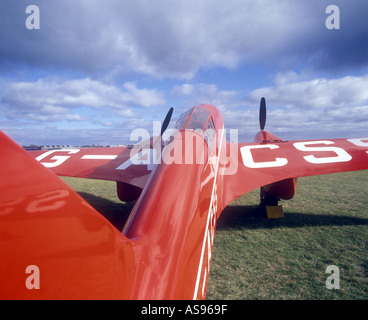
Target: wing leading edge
{"type": "Point", "coordinates": [129, 167]}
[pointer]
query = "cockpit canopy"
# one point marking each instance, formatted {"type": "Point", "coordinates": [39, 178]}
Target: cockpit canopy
{"type": "Point", "coordinates": [200, 120]}
{"type": "Point", "coordinates": [195, 118]}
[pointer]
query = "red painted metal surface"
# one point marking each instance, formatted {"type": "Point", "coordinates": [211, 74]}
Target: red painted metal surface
{"type": "Point", "coordinates": [44, 223]}
{"type": "Point", "coordinates": [164, 251]}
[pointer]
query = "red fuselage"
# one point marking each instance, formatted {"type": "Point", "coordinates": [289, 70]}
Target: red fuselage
{"type": "Point", "coordinates": [176, 233]}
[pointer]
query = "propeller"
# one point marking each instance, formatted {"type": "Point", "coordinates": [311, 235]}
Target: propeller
{"type": "Point", "coordinates": [166, 122]}
{"type": "Point", "coordinates": [262, 113]}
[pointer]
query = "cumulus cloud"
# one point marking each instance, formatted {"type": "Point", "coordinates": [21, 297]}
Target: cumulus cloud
{"type": "Point", "coordinates": [298, 106]}
{"type": "Point", "coordinates": [316, 93]}
{"type": "Point", "coordinates": [177, 38]}
{"type": "Point", "coordinates": [209, 93]}
{"type": "Point", "coordinates": [102, 52]}
{"type": "Point", "coordinates": [50, 100]}
{"type": "Point", "coordinates": [318, 107]}
{"type": "Point", "coordinates": [183, 90]}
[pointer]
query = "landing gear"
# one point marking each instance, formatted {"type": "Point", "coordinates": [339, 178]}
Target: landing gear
{"type": "Point", "coordinates": [270, 203]}
{"type": "Point", "coordinates": [268, 199]}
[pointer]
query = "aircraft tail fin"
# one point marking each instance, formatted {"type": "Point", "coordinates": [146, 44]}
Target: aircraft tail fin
{"type": "Point", "coordinates": [47, 230]}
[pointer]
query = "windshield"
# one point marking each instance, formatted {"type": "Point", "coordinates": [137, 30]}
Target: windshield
{"type": "Point", "coordinates": [183, 120]}
{"type": "Point", "coordinates": [195, 118]}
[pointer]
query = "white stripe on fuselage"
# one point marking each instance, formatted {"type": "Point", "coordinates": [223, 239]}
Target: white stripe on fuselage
{"type": "Point", "coordinates": [207, 225]}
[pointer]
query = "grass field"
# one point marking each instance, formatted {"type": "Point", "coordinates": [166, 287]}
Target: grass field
{"type": "Point", "coordinates": [326, 223]}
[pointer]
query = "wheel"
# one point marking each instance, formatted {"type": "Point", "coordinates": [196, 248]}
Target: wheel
{"type": "Point", "coordinates": [268, 199]}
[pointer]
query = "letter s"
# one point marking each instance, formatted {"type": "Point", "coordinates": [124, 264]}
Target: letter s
{"type": "Point", "coordinates": [359, 142]}
{"type": "Point", "coordinates": [341, 154]}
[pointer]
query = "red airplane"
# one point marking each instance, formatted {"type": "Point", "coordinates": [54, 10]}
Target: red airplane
{"type": "Point", "coordinates": [54, 245]}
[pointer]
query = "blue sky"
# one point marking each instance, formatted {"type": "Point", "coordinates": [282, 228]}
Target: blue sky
{"type": "Point", "coordinates": [96, 70]}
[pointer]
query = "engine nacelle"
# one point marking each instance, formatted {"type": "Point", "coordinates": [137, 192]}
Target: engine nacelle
{"type": "Point", "coordinates": [127, 192]}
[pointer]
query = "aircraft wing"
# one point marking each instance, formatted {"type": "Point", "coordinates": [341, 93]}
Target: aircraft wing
{"type": "Point", "coordinates": [254, 165]}
{"type": "Point", "coordinates": [122, 164]}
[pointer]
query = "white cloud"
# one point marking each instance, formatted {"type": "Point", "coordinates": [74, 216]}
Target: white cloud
{"type": "Point", "coordinates": [298, 106]}
{"type": "Point", "coordinates": [161, 42]}
{"type": "Point", "coordinates": [318, 93]}
{"type": "Point", "coordinates": [301, 108]}
{"type": "Point", "coordinates": [49, 100]}
{"type": "Point", "coordinates": [183, 90]}
{"type": "Point", "coordinates": [206, 93]}
{"type": "Point", "coordinates": [142, 97]}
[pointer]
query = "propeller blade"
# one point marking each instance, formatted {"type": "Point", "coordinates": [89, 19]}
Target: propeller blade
{"type": "Point", "coordinates": [262, 113]}
{"type": "Point", "coordinates": [166, 122]}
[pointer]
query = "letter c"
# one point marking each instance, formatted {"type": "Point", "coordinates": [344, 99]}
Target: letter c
{"type": "Point", "coordinates": [249, 161]}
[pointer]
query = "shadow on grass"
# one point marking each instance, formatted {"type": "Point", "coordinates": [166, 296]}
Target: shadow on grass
{"type": "Point", "coordinates": [233, 217]}
{"type": "Point", "coordinates": [116, 213]}
{"type": "Point", "coordinates": [254, 217]}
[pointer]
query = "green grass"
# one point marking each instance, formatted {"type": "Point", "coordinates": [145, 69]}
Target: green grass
{"type": "Point", "coordinates": [255, 258]}
{"type": "Point", "coordinates": [325, 224]}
